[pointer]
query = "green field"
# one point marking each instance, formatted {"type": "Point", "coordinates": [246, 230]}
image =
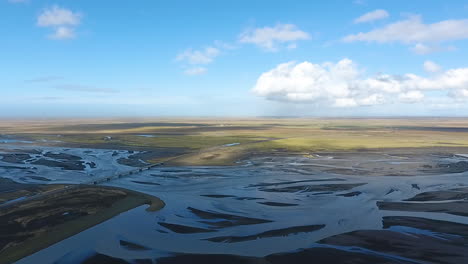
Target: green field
{"type": "Point", "coordinates": [200, 141]}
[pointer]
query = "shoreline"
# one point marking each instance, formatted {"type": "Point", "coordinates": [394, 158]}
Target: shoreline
{"type": "Point", "coordinates": [51, 234]}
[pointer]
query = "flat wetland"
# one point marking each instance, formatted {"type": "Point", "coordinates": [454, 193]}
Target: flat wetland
{"type": "Point", "coordinates": [252, 190]}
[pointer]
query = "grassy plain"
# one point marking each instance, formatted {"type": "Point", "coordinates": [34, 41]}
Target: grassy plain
{"type": "Point", "coordinates": [201, 141]}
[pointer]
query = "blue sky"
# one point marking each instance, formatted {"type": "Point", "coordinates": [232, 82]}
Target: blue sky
{"type": "Point", "coordinates": [233, 58]}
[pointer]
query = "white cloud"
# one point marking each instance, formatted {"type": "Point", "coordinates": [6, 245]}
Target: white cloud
{"type": "Point", "coordinates": [461, 94]}
{"type": "Point", "coordinates": [431, 66]}
{"type": "Point", "coordinates": [345, 102]}
{"type": "Point", "coordinates": [190, 58]}
{"type": "Point", "coordinates": [272, 38]}
{"type": "Point", "coordinates": [204, 56]}
{"type": "Point", "coordinates": [411, 97]}
{"type": "Point", "coordinates": [413, 30]}
{"type": "Point", "coordinates": [221, 45]}
{"type": "Point", "coordinates": [291, 46]}
{"type": "Point", "coordinates": [423, 49]}
{"type": "Point", "coordinates": [373, 99]}
{"type": "Point", "coordinates": [63, 33]}
{"type": "Point", "coordinates": [57, 16]}
{"type": "Point", "coordinates": [342, 84]}
{"type": "Point", "coordinates": [372, 16]}
{"type": "Point", "coordinates": [61, 20]}
{"type": "Point", "coordinates": [195, 71]}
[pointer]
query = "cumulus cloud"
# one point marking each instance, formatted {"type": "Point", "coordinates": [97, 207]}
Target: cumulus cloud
{"type": "Point", "coordinates": [460, 94]}
{"type": "Point", "coordinates": [61, 20]}
{"type": "Point", "coordinates": [425, 37]}
{"type": "Point", "coordinates": [269, 38]}
{"type": "Point", "coordinates": [411, 97]}
{"type": "Point", "coordinates": [343, 84]}
{"type": "Point", "coordinates": [57, 16]}
{"type": "Point", "coordinates": [273, 38]}
{"type": "Point", "coordinates": [431, 66]}
{"type": "Point", "coordinates": [372, 16]}
{"type": "Point", "coordinates": [204, 56]}
{"type": "Point", "coordinates": [195, 71]}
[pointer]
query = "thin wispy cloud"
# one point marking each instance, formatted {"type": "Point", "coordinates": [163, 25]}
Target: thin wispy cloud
{"type": "Point", "coordinates": [194, 61]}
{"type": "Point", "coordinates": [359, 2]}
{"type": "Point", "coordinates": [49, 98]}
{"type": "Point", "coordinates": [274, 38]}
{"type": "Point", "coordinates": [44, 79]}
{"type": "Point", "coordinates": [431, 66]}
{"type": "Point", "coordinates": [63, 33]}
{"type": "Point", "coordinates": [83, 88]}
{"type": "Point", "coordinates": [195, 71]}
{"type": "Point", "coordinates": [414, 31]}
{"type": "Point", "coordinates": [203, 56]}
{"type": "Point", "coordinates": [424, 49]}
{"type": "Point", "coordinates": [372, 16]}
{"type": "Point", "coordinates": [62, 21]}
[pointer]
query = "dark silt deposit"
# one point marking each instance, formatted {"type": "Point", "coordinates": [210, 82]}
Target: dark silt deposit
{"type": "Point", "coordinates": [313, 188]}
{"type": "Point", "coordinates": [270, 233]}
{"type": "Point", "coordinates": [66, 165]}
{"type": "Point", "coordinates": [457, 167]}
{"type": "Point", "coordinates": [277, 204]}
{"type": "Point", "coordinates": [456, 208]}
{"type": "Point", "coordinates": [18, 158]}
{"type": "Point", "coordinates": [350, 194]}
{"type": "Point", "coordinates": [181, 229]}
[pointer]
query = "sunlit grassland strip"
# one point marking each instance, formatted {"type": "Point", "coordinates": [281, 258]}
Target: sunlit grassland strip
{"type": "Point", "coordinates": [203, 140]}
